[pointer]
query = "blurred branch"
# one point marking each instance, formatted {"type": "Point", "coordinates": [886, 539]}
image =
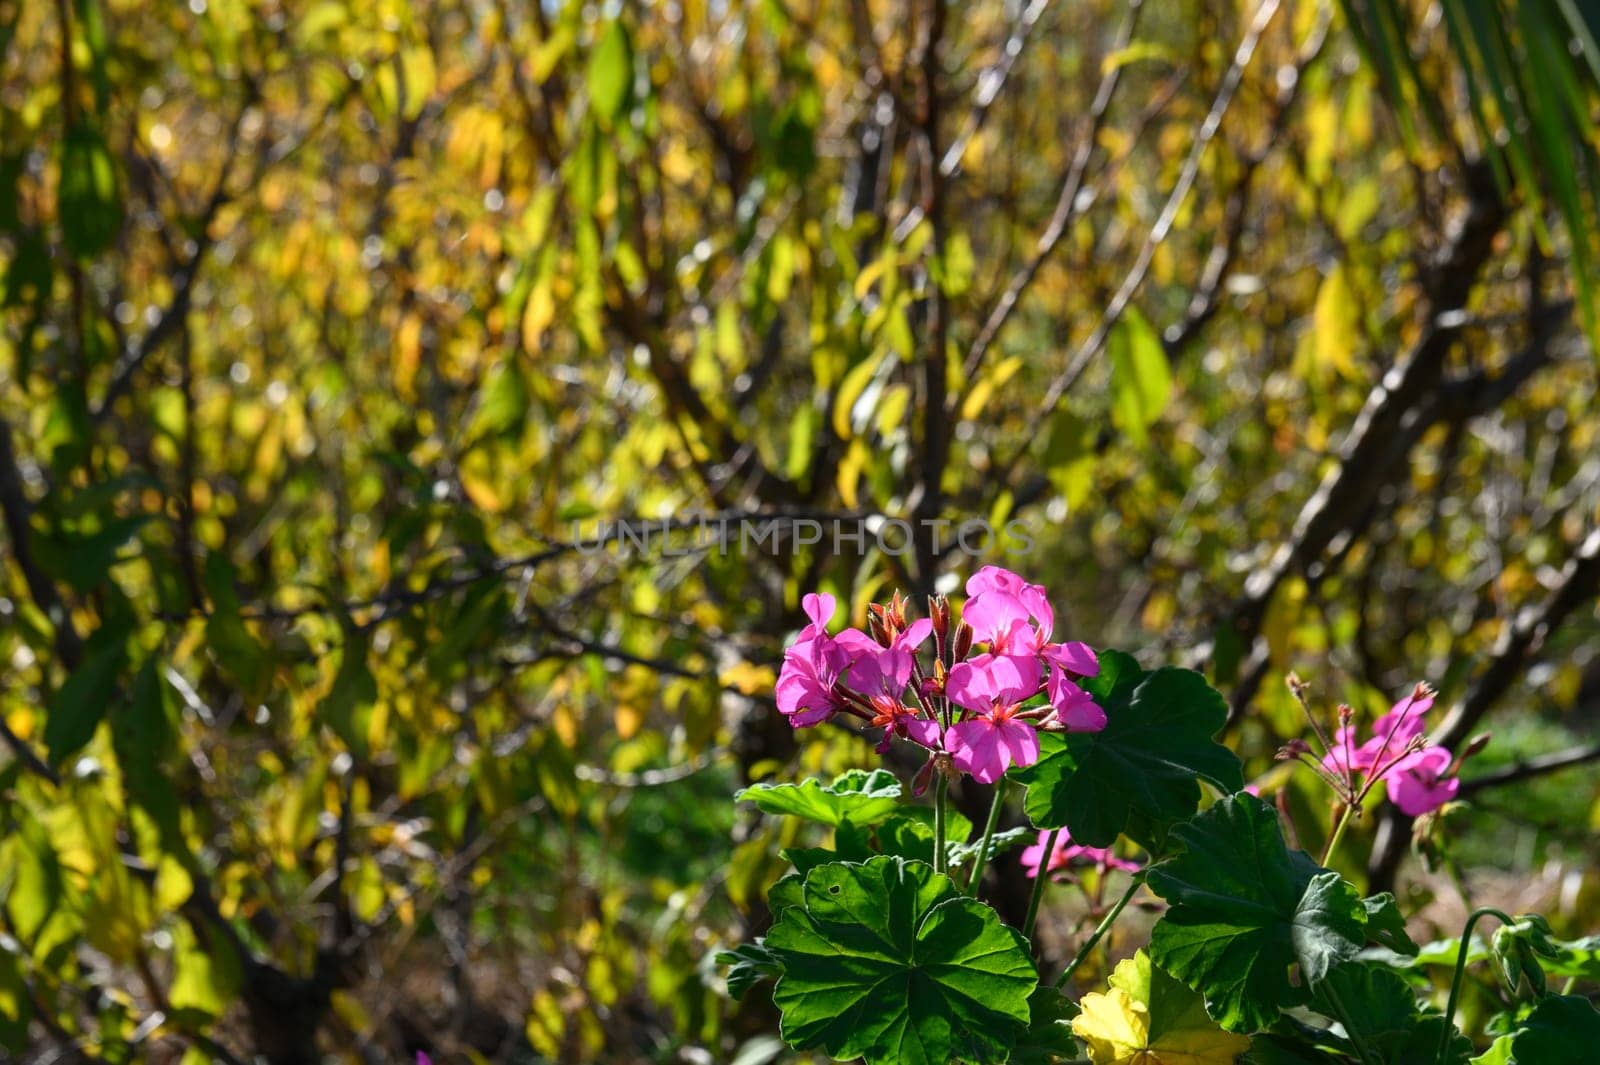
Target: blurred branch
{"type": "Point", "coordinates": [990, 82]}
{"type": "Point", "coordinates": [14, 504]}
{"type": "Point", "coordinates": [1538, 766]}
{"type": "Point", "coordinates": [1522, 639]}
{"type": "Point", "coordinates": [1080, 360]}
{"type": "Point", "coordinates": [1205, 300]}
{"type": "Point", "coordinates": [1388, 421]}
{"type": "Point", "coordinates": [1066, 201]}
{"type": "Point", "coordinates": [183, 279]}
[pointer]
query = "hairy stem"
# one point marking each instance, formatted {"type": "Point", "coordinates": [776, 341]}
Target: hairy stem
{"type": "Point", "coordinates": [1038, 882]}
{"type": "Point", "coordinates": [940, 785]}
{"type": "Point", "coordinates": [1337, 834]}
{"type": "Point", "coordinates": [1461, 969]}
{"type": "Point", "coordinates": [982, 859]}
{"type": "Point", "coordinates": [1100, 930]}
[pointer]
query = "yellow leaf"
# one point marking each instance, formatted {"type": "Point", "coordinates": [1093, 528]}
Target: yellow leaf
{"type": "Point", "coordinates": [1148, 1018]}
{"type": "Point", "coordinates": [850, 391]}
{"type": "Point", "coordinates": [747, 678]}
{"type": "Point", "coordinates": [628, 719]}
{"type": "Point", "coordinates": [1336, 321]}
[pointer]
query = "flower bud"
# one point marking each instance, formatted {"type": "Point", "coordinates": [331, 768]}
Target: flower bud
{"type": "Point", "coordinates": [963, 642]}
{"type": "Point", "coordinates": [1476, 744]}
{"type": "Point", "coordinates": [1293, 749]}
{"type": "Point", "coordinates": [878, 625]}
{"type": "Point", "coordinates": [897, 612]}
{"type": "Point", "coordinates": [939, 614]}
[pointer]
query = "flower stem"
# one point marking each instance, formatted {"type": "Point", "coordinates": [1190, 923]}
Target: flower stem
{"type": "Point", "coordinates": [1461, 969]}
{"type": "Point", "coordinates": [1038, 882]}
{"type": "Point", "coordinates": [1336, 835]}
{"type": "Point", "coordinates": [1344, 1019]}
{"type": "Point", "coordinates": [1105, 926]}
{"type": "Point", "coordinates": [976, 877]}
{"type": "Point", "coordinates": [940, 784]}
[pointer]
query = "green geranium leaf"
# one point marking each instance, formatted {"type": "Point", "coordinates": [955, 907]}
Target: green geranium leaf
{"type": "Point", "coordinates": [908, 832]}
{"type": "Point", "coordinates": [1560, 1029]}
{"type": "Point", "coordinates": [861, 797]}
{"type": "Point", "coordinates": [1245, 910]}
{"type": "Point", "coordinates": [1576, 957]}
{"type": "Point", "coordinates": [1381, 1016]}
{"type": "Point", "coordinates": [886, 961]}
{"type": "Point", "coordinates": [788, 891]}
{"type": "Point", "coordinates": [1387, 925]}
{"type": "Point", "coordinates": [999, 843]}
{"type": "Point", "coordinates": [749, 964]}
{"type": "Point", "coordinates": [1049, 1036]}
{"type": "Point", "coordinates": [1141, 773]}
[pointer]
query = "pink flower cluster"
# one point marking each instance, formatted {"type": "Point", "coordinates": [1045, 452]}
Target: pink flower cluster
{"type": "Point", "coordinates": [979, 709]}
{"type": "Point", "coordinates": [1419, 778]}
{"type": "Point", "coordinates": [1065, 852]}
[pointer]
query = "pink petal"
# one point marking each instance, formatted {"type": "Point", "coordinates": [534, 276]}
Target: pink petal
{"type": "Point", "coordinates": [1075, 657]}
{"type": "Point", "coordinates": [993, 614]}
{"type": "Point", "coordinates": [856, 643]}
{"type": "Point", "coordinates": [976, 748]}
{"type": "Point", "coordinates": [1015, 678]}
{"type": "Point", "coordinates": [971, 685]}
{"type": "Point", "coordinates": [807, 718]}
{"type": "Point", "coordinates": [819, 608]}
{"type": "Point", "coordinates": [923, 731]}
{"type": "Point", "coordinates": [1038, 605]}
{"type": "Point", "coordinates": [1021, 742]}
{"type": "Point", "coordinates": [994, 579]}
{"type": "Point", "coordinates": [915, 634]}
{"type": "Point", "coordinates": [1074, 706]}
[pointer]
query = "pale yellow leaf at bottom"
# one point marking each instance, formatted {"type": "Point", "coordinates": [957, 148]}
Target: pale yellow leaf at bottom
{"type": "Point", "coordinates": [1116, 1029]}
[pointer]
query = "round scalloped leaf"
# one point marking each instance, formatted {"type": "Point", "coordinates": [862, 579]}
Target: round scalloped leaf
{"type": "Point", "coordinates": [886, 961]}
{"type": "Point", "coordinates": [1141, 773]}
{"type": "Point", "coordinates": [1245, 911]}
{"type": "Point", "coordinates": [1380, 1010]}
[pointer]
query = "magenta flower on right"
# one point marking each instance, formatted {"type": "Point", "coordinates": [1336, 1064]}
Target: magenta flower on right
{"type": "Point", "coordinates": [1419, 778]}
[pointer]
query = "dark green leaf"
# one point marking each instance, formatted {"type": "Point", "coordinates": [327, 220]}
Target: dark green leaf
{"type": "Point", "coordinates": [82, 702]}
{"type": "Point", "coordinates": [142, 734]}
{"type": "Point", "coordinates": [1147, 761]}
{"type": "Point", "coordinates": [748, 964]}
{"type": "Point", "coordinates": [1246, 912]}
{"type": "Point", "coordinates": [1561, 1030]}
{"type": "Point", "coordinates": [1387, 925]}
{"type": "Point", "coordinates": [1049, 1036]}
{"type": "Point", "coordinates": [89, 197]}
{"type": "Point", "coordinates": [886, 961]}
{"type": "Point", "coordinates": [348, 705]}
{"type": "Point", "coordinates": [1382, 1017]}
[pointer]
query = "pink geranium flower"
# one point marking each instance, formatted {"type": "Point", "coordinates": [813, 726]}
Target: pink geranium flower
{"type": "Point", "coordinates": [1391, 735]}
{"type": "Point", "coordinates": [1065, 852]}
{"type": "Point", "coordinates": [1014, 618]}
{"type": "Point", "coordinates": [881, 674]}
{"type": "Point", "coordinates": [1418, 784]}
{"type": "Point", "coordinates": [993, 687]}
{"type": "Point", "coordinates": [806, 690]}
